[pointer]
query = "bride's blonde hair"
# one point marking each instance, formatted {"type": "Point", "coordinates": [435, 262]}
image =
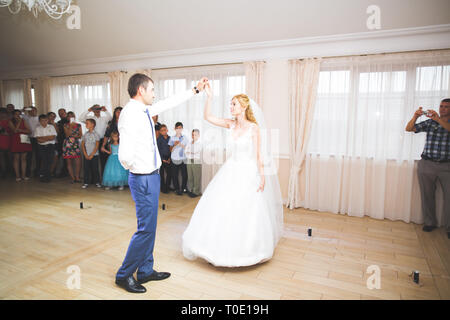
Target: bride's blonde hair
{"type": "Point", "coordinates": [244, 101]}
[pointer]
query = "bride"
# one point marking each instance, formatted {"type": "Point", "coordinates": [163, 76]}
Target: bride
{"type": "Point", "coordinates": [239, 218]}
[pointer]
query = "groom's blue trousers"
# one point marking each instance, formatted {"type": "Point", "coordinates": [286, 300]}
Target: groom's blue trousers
{"type": "Point", "coordinates": [145, 192]}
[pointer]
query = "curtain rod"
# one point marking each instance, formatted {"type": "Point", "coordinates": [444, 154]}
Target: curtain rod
{"type": "Point", "coordinates": [169, 68]}
{"type": "Point", "coordinates": [201, 65]}
{"type": "Point", "coordinates": [376, 54]}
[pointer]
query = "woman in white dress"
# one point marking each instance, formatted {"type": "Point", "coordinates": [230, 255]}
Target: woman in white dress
{"type": "Point", "coordinates": [239, 218]}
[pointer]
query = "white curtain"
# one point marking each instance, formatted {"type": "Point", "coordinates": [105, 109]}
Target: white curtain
{"type": "Point", "coordinates": [119, 86]}
{"type": "Point", "coordinates": [27, 100]}
{"type": "Point", "coordinates": [254, 75]}
{"type": "Point", "coordinates": [42, 94]}
{"type": "Point", "coordinates": [360, 160]}
{"type": "Point", "coordinates": [14, 93]}
{"type": "Point", "coordinates": [303, 78]}
{"type": "Point", "coordinates": [79, 93]}
{"type": "Point", "coordinates": [226, 81]}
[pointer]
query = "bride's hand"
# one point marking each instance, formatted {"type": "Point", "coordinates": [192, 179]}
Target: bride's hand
{"type": "Point", "coordinates": [208, 90]}
{"type": "Point", "coordinates": [261, 184]}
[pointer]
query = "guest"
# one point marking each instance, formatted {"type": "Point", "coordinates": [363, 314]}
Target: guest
{"type": "Point", "coordinates": [112, 126]}
{"type": "Point", "coordinates": [157, 130]}
{"type": "Point", "coordinates": [177, 144]}
{"type": "Point", "coordinates": [435, 163]}
{"type": "Point", "coordinates": [157, 125]}
{"type": "Point", "coordinates": [51, 121]}
{"type": "Point", "coordinates": [102, 121]}
{"type": "Point", "coordinates": [114, 175]}
{"type": "Point", "coordinates": [4, 142]}
{"type": "Point", "coordinates": [20, 144]}
{"type": "Point", "coordinates": [32, 120]}
{"type": "Point", "coordinates": [10, 109]}
{"type": "Point", "coordinates": [46, 137]}
{"type": "Point", "coordinates": [89, 145]}
{"type": "Point", "coordinates": [71, 146]}
{"type": "Point", "coordinates": [60, 141]}
{"type": "Point", "coordinates": [194, 165]}
{"type": "Point", "coordinates": [164, 152]}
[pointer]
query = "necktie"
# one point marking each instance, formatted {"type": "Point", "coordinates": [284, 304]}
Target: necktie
{"type": "Point", "coordinates": [153, 136]}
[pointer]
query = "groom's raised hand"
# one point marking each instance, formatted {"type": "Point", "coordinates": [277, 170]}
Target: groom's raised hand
{"type": "Point", "coordinates": [201, 84]}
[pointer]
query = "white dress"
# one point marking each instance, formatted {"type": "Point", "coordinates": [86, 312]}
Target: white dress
{"type": "Point", "coordinates": [234, 225]}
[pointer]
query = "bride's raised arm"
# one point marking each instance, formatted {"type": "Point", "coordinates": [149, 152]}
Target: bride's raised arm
{"type": "Point", "coordinates": [226, 123]}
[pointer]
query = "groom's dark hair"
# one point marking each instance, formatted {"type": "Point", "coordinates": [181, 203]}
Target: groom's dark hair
{"type": "Point", "coordinates": [136, 81]}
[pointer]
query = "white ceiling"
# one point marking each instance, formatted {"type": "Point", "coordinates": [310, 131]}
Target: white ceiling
{"type": "Point", "coordinates": [112, 28]}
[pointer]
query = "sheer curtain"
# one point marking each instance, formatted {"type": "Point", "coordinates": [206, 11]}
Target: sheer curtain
{"type": "Point", "coordinates": [14, 93]}
{"type": "Point", "coordinates": [27, 99]}
{"type": "Point", "coordinates": [226, 81]}
{"type": "Point", "coordinates": [303, 80]}
{"type": "Point", "coordinates": [79, 93]}
{"type": "Point", "coordinates": [254, 75]}
{"type": "Point", "coordinates": [360, 160]}
{"type": "Point", "coordinates": [119, 86]}
{"type": "Point", "coordinates": [42, 94]}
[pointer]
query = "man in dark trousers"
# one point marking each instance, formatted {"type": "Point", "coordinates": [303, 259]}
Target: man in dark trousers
{"type": "Point", "coordinates": [434, 166]}
{"type": "Point", "coordinates": [164, 151]}
{"type": "Point", "coordinates": [138, 153]}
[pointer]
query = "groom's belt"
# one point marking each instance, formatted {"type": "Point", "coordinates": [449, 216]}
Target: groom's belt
{"type": "Point", "coordinates": [145, 174]}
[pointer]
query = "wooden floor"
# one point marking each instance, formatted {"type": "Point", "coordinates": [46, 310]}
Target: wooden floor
{"type": "Point", "coordinates": [43, 232]}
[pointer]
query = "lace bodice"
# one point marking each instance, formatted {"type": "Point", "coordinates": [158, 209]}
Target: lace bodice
{"type": "Point", "coordinates": [241, 147]}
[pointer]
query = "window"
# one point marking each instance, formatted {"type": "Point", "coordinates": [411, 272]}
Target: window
{"type": "Point", "coordinates": [362, 108]}
{"type": "Point", "coordinates": [79, 93]}
{"type": "Point", "coordinates": [226, 81]}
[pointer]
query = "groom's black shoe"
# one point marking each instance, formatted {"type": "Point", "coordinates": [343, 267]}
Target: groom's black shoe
{"type": "Point", "coordinates": [130, 285]}
{"type": "Point", "coordinates": [155, 276]}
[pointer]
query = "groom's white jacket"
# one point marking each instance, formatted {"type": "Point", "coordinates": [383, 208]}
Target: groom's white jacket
{"type": "Point", "coordinates": [137, 140]}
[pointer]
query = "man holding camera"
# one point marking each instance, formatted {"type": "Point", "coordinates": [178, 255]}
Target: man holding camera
{"type": "Point", "coordinates": [435, 163]}
{"type": "Point", "coordinates": [100, 127]}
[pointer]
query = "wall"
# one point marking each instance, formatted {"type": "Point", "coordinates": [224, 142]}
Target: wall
{"type": "Point", "coordinates": [275, 106]}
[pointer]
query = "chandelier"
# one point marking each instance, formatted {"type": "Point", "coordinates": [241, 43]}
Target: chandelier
{"type": "Point", "coordinates": [54, 8]}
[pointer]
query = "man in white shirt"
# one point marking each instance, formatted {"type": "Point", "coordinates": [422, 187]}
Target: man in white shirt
{"type": "Point", "coordinates": [32, 120]}
{"type": "Point", "coordinates": [138, 152]}
{"type": "Point", "coordinates": [45, 135]}
{"type": "Point", "coordinates": [101, 120]}
{"type": "Point", "coordinates": [194, 164]}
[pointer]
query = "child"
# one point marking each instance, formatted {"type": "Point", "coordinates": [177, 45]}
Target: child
{"type": "Point", "coordinates": [89, 145]}
{"type": "Point", "coordinates": [114, 175]}
{"type": "Point", "coordinates": [177, 144]}
{"type": "Point", "coordinates": [45, 134]}
{"type": "Point", "coordinates": [164, 152]}
{"type": "Point", "coordinates": [194, 166]}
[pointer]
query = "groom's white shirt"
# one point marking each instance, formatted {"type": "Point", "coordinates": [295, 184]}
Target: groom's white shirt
{"type": "Point", "coordinates": [136, 148]}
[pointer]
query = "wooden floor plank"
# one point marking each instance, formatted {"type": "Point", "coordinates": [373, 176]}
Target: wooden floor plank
{"type": "Point", "coordinates": [43, 231]}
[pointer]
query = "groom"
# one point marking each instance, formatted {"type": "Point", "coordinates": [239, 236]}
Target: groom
{"type": "Point", "coordinates": [138, 152]}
